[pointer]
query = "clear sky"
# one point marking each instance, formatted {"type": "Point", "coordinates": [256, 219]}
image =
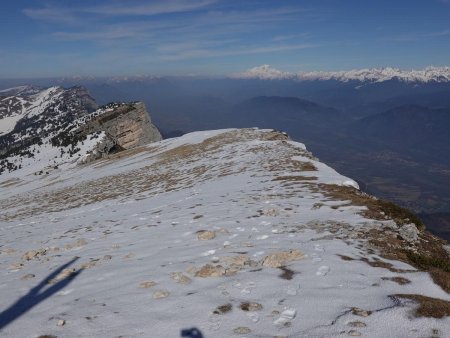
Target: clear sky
{"type": "Point", "coordinates": [41, 38]}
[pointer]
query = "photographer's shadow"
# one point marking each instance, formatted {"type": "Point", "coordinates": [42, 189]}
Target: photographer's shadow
{"type": "Point", "coordinates": [37, 295]}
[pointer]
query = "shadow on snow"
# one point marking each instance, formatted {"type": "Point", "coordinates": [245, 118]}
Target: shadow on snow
{"type": "Point", "coordinates": [37, 295]}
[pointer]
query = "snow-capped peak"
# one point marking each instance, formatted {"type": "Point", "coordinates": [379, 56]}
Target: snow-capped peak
{"type": "Point", "coordinates": [264, 72]}
{"type": "Point", "coordinates": [428, 74]}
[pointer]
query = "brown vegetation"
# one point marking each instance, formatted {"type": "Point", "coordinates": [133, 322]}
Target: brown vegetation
{"type": "Point", "coordinates": [428, 307]}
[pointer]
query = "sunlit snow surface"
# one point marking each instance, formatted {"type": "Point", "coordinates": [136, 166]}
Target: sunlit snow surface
{"type": "Point", "coordinates": [135, 218]}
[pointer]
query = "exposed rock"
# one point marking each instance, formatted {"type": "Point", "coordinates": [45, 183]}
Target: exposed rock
{"type": "Point", "coordinates": [93, 262]}
{"type": "Point", "coordinates": [250, 306]}
{"type": "Point", "coordinates": [148, 284]}
{"type": "Point", "coordinates": [446, 248]}
{"type": "Point", "coordinates": [239, 261]}
{"type": "Point", "coordinates": [78, 244]}
{"type": "Point", "coordinates": [409, 232]}
{"type": "Point", "coordinates": [28, 276]}
{"type": "Point", "coordinates": [66, 273]}
{"type": "Point", "coordinates": [161, 294]}
{"type": "Point", "coordinates": [271, 212]}
{"type": "Point", "coordinates": [61, 322]}
{"type": "Point", "coordinates": [280, 259]}
{"type": "Point", "coordinates": [126, 126]}
{"type": "Point", "coordinates": [359, 312]}
{"type": "Point", "coordinates": [357, 324]}
{"type": "Point", "coordinates": [180, 278]}
{"type": "Point", "coordinates": [242, 330]}
{"type": "Point", "coordinates": [209, 270]}
{"type": "Point", "coordinates": [205, 235]}
{"type": "Point", "coordinates": [34, 254]}
{"type": "Point", "coordinates": [15, 266]}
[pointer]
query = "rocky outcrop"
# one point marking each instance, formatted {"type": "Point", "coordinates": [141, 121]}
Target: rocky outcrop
{"type": "Point", "coordinates": [125, 126]}
{"type": "Point", "coordinates": [128, 124]}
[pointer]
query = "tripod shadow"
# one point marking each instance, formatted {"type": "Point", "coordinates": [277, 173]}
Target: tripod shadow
{"type": "Point", "coordinates": [37, 295]}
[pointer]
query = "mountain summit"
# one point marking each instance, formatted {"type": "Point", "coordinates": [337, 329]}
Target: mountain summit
{"type": "Point", "coordinates": [236, 232]}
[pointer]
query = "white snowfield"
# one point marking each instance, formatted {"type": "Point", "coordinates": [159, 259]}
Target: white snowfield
{"type": "Point", "coordinates": [226, 231]}
{"type": "Point", "coordinates": [33, 105]}
{"type": "Point", "coordinates": [428, 74]}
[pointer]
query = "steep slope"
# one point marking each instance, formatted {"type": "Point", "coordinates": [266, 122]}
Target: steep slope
{"type": "Point", "coordinates": [42, 129]}
{"type": "Point", "coordinates": [235, 232]}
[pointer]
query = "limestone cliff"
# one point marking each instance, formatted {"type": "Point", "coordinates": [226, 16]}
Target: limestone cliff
{"type": "Point", "coordinates": [128, 125]}
{"type": "Point", "coordinates": [123, 125]}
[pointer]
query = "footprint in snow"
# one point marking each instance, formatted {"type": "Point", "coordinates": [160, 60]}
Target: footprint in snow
{"type": "Point", "coordinates": [291, 290]}
{"type": "Point", "coordinates": [323, 270]}
{"type": "Point", "coordinates": [316, 258]}
{"type": "Point", "coordinates": [318, 248]}
{"type": "Point", "coordinates": [208, 253]}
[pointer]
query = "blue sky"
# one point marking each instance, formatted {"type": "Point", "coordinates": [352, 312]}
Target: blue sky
{"type": "Point", "coordinates": [44, 38]}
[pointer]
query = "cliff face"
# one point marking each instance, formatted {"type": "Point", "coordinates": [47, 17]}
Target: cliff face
{"type": "Point", "coordinates": [123, 126]}
{"type": "Point", "coordinates": [129, 125]}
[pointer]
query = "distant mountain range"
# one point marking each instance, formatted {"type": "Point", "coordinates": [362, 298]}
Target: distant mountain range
{"type": "Point", "coordinates": [429, 74]}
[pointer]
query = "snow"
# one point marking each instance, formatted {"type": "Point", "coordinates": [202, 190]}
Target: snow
{"type": "Point", "coordinates": [8, 123]}
{"type": "Point", "coordinates": [429, 74]}
{"type": "Point", "coordinates": [13, 89]}
{"type": "Point", "coordinates": [30, 106]}
{"type": "Point", "coordinates": [135, 219]}
{"type": "Point", "coordinates": [42, 100]}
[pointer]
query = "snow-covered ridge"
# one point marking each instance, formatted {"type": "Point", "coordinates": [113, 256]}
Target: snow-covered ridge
{"type": "Point", "coordinates": [233, 232]}
{"type": "Point", "coordinates": [429, 74]}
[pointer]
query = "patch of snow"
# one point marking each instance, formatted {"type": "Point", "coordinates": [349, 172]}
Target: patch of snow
{"type": "Point", "coordinates": [8, 123]}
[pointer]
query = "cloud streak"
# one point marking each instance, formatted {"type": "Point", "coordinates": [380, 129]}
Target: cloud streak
{"type": "Point", "coordinates": [75, 14]}
{"type": "Point", "coordinates": [153, 8]}
{"type": "Point", "coordinates": [208, 53]}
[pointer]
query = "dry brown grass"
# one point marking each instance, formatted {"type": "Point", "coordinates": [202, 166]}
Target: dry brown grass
{"type": "Point", "coordinates": [399, 280]}
{"type": "Point", "coordinates": [376, 263]}
{"type": "Point", "coordinates": [346, 258]}
{"type": "Point", "coordinates": [10, 183]}
{"type": "Point", "coordinates": [428, 307]}
{"type": "Point", "coordinates": [295, 178]}
{"type": "Point", "coordinates": [426, 254]}
{"type": "Point", "coordinates": [220, 310]}
{"type": "Point", "coordinates": [287, 273]}
{"type": "Point", "coordinates": [377, 208]}
{"type": "Point", "coordinates": [173, 169]}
